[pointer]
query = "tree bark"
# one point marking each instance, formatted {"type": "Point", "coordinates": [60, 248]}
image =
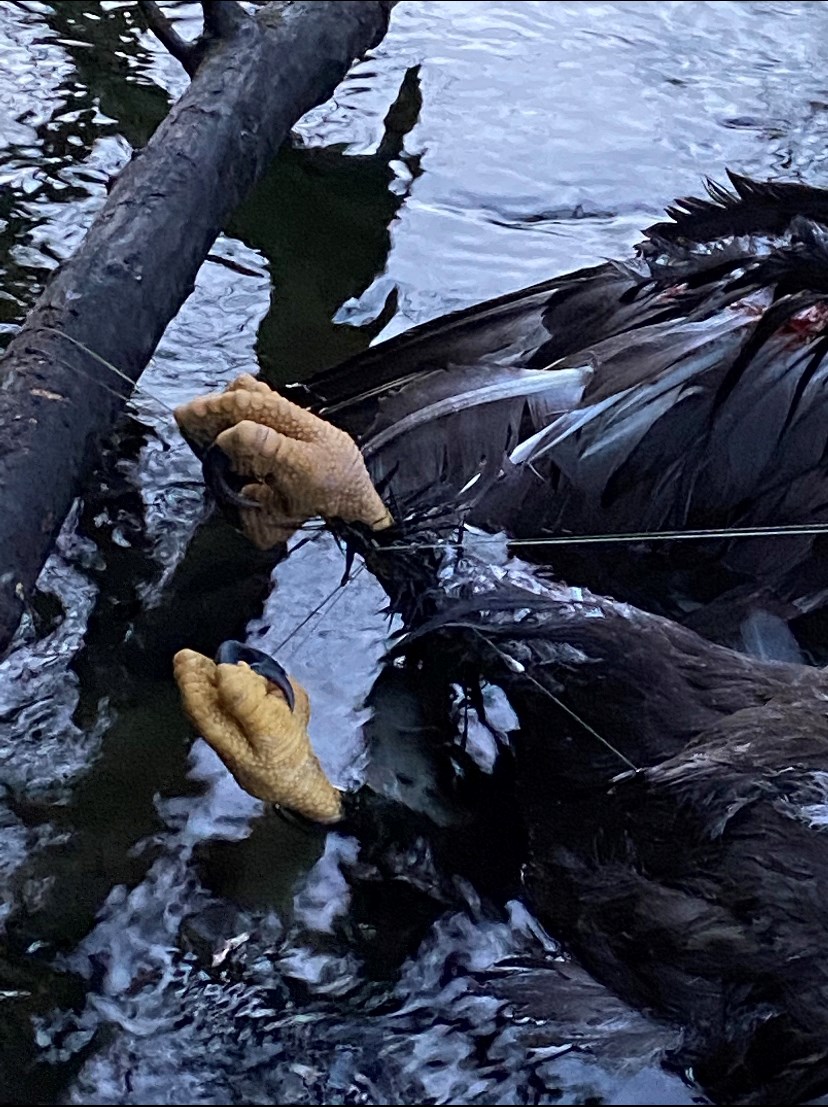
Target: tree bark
{"type": "Point", "coordinates": [140, 257]}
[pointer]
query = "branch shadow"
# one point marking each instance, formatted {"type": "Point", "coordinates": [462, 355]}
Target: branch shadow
{"type": "Point", "coordinates": [323, 218]}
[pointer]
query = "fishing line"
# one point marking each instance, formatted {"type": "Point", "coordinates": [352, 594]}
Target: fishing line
{"type": "Point", "coordinates": [510, 662]}
{"type": "Point", "coordinates": [332, 598]}
{"type": "Point", "coordinates": [697, 534]}
{"type": "Point", "coordinates": [673, 535]}
{"type": "Point", "coordinates": [133, 386]}
{"type": "Point", "coordinates": [94, 380]}
{"type": "Point", "coordinates": [792, 529]}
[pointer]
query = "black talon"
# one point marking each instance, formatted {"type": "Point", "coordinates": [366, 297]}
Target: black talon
{"type": "Point", "coordinates": [295, 819]}
{"type": "Point", "coordinates": [232, 652]}
{"type": "Point", "coordinates": [224, 484]}
{"type": "Point", "coordinates": [350, 554]}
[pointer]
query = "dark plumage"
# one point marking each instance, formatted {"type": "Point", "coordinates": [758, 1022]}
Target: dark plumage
{"type": "Point", "coordinates": [675, 798]}
{"type": "Point", "coordinates": [684, 389]}
{"type": "Point", "coordinates": [674, 792]}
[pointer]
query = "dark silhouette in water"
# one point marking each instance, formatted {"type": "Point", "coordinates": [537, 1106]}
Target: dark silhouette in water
{"type": "Point", "coordinates": [322, 217]}
{"type": "Point", "coordinates": [680, 390]}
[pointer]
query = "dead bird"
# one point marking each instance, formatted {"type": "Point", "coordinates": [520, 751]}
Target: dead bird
{"type": "Point", "coordinates": [673, 790]}
{"type": "Point", "coordinates": [674, 795]}
{"type": "Point", "coordinates": [682, 389]}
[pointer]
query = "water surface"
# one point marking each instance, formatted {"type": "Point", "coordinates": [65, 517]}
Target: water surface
{"type": "Point", "coordinates": [164, 940]}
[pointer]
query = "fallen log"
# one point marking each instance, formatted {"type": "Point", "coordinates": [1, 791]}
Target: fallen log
{"type": "Point", "coordinates": [253, 78]}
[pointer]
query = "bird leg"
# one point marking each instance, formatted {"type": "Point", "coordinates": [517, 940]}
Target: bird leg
{"type": "Point", "coordinates": [277, 463]}
{"type": "Point", "coordinates": [241, 707]}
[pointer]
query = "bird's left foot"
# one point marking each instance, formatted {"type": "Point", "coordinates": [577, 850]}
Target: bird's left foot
{"type": "Point", "coordinates": [255, 717]}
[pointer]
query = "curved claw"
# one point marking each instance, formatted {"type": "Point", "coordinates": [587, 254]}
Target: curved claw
{"type": "Point", "coordinates": [232, 652]}
{"type": "Point", "coordinates": [220, 479]}
{"type": "Point", "coordinates": [297, 819]}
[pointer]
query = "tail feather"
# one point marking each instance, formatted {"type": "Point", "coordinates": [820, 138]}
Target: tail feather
{"type": "Point", "coordinates": [753, 207]}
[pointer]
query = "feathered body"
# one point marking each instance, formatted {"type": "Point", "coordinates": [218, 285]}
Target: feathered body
{"type": "Point", "coordinates": [674, 791]}
{"type": "Point", "coordinates": [674, 794]}
{"type": "Point", "coordinates": [684, 389]}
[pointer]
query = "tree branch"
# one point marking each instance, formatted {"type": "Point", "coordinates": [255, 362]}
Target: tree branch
{"type": "Point", "coordinates": [138, 262]}
{"type": "Point", "coordinates": [187, 53]}
{"type": "Point", "coordinates": [222, 17]}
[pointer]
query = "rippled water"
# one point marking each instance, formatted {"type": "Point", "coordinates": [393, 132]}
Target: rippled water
{"type": "Point", "coordinates": [164, 941]}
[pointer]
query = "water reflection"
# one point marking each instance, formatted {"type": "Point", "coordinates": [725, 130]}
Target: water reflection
{"type": "Point", "coordinates": [75, 104]}
{"type": "Point", "coordinates": [322, 218]}
{"type": "Point", "coordinates": [110, 57]}
{"type": "Point", "coordinates": [165, 942]}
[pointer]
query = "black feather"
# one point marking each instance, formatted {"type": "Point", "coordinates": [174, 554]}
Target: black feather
{"type": "Point", "coordinates": [683, 389]}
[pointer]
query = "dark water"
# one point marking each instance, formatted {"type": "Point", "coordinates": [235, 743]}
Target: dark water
{"type": "Point", "coordinates": [164, 942]}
